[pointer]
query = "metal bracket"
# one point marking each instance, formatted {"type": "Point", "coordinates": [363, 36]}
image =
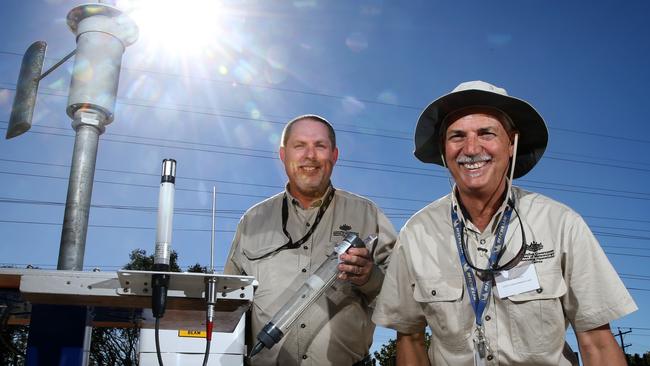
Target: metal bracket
{"type": "Point", "coordinates": [187, 284]}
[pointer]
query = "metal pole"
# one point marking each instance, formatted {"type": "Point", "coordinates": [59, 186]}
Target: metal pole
{"type": "Point", "coordinates": [103, 33]}
{"type": "Point", "coordinates": [80, 188]}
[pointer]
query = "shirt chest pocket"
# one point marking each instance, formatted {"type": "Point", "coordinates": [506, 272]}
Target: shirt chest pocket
{"type": "Point", "coordinates": [537, 321]}
{"type": "Point", "coordinates": [275, 270]}
{"type": "Point", "coordinates": [450, 318]}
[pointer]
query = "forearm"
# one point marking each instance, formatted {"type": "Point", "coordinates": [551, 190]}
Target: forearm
{"type": "Point", "coordinates": [610, 356]}
{"type": "Point", "coordinates": [411, 350]}
{"type": "Point", "coordinates": [599, 348]}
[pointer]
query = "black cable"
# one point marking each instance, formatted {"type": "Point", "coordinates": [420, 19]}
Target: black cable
{"type": "Point", "coordinates": [157, 329]}
{"type": "Point", "coordinates": [207, 351]}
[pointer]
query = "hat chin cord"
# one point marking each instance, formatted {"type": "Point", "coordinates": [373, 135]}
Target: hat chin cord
{"type": "Point", "coordinates": [514, 162]}
{"type": "Point", "coordinates": [449, 176]}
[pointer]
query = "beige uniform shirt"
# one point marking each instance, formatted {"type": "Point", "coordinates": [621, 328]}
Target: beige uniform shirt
{"type": "Point", "coordinates": [335, 330]}
{"type": "Point", "coordinates": [424, 285]}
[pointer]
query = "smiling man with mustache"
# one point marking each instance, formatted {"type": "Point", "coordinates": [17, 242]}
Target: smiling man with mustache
{"type": "Point", "coordinates": [497, 273]}
{"type": "Point", "coordinates": [284, 239]}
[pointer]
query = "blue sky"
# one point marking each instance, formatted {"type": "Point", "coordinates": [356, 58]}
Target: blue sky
{"type": "Point", "coordinates": [216, 102]}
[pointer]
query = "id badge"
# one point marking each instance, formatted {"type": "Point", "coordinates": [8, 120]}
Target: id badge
{"type": "Point", "coordinates": [520, 279]}
{"type": "Point", "coordinates": [479, 348]}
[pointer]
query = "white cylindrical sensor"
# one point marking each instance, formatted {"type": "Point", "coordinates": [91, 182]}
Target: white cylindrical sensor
{"type": "Point", "coordinates": [165, 212]}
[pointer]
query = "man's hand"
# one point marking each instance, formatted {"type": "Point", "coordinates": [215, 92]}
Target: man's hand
{"type": "Point", "coordinates": [357, 266]}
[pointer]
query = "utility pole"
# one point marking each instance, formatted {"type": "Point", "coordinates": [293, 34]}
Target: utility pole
{"type": "Point", "coordinates": [60, 334]}
{"type": "Point", "coordinates": [620, 336]}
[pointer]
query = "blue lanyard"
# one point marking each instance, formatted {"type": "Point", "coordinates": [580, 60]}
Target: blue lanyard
{"type": "Point", "coordinates": [479, 301]}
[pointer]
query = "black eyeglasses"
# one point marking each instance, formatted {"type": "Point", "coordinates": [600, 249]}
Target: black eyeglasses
{"type": "Point", "coordinates": [485, 273]}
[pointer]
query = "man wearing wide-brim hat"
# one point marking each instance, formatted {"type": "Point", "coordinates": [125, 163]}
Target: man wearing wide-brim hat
{"type": "Point", "coordinates": [496, 272]}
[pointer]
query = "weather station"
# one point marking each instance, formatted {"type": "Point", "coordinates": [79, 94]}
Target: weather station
{"type": "Point", "coordinates": [185, 318]}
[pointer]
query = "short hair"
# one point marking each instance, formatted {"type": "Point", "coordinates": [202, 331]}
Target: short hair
{"type": "Point", "coordinates": [287, 128]}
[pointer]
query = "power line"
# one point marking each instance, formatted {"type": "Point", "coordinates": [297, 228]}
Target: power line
{"type": "Point", "coordinates": [46, 266]}
{"type": "Point", "coordinates": [184, 189]}
{"type": "Point", "coordinates": [428, 169]}
{"type": "Point", "coordinates": [602, 135]}
{"type": "Point", "coordinates": [206, 211]}
{"type": "Point", "coordinates": [381, 169]}
{"type": "Point", "coordinates": [620, 236]}
{"type": "Point", "coordinates": [251, 85]}
{"type": "Point", "coordinates": [238, 183]}
{"type": "Point", "coordinates": [597, 158]}
{"type": "Point", "coordinates": [408, 213]}
{"type": "Point", "coordinates": [45, 223]}
{"type": "Point", "coordinates": [123, 100]}
{"type": "Point", "coordinates": [274, 153]}
{"type": "Point", "coordinates": [333, 96]}
{"type": "Point", "coordinates": [627, 219]}
{"type": "Point", "coordinates": [618, 228]}
{"type": "Point", "coordinates": [127, 102]}
{"type": "Point", "coordinates": [628, 255]}
{"type": "Point", "coordinates": [623, 247]}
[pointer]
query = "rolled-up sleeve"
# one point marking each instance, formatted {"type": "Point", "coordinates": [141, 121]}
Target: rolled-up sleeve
{"type": "Point", "coordinates": [396, 307]}
{"type": "Point", "coordinates": [596, 294]}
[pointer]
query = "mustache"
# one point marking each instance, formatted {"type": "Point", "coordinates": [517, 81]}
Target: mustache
{"type": "Point", "coordinates": [309, 162]}
{"type": "Point", "coordinates": [465, 159]}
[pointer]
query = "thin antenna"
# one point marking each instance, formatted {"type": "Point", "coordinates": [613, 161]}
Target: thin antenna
{"type": "Point", "coordinates": [214, 205]}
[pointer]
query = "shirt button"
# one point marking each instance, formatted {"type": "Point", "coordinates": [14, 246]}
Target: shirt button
{"type": "Point", "coordinates": [302, 325]}
{"type": "Point", "coordinates": [433, 292]}
{"type": "Point", "coordinates": [304, 270]}
{"type": "Point", "coordinates": [307, 224]}
{"type": "Point", "coordinates": [490, 357]}
{"type": "Point", "coordinates": [305, 247]}
{"type": "Point", "coordinates": [304, 357]}
{"type": "Point", "coordinates": [539, 290]}
{"type": "Point", "coordinates": [488, 318]}
{"type": "Point", "coordinates": [482, 241]}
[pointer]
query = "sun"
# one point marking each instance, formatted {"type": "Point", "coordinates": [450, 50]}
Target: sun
{"type": "Point", "coordinates": [177, 26]}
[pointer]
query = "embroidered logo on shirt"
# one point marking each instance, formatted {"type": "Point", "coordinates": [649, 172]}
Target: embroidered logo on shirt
{"type": "Point", "coordinates": [534, 246]}
{"type": "Point", "coordinates": [534, 253]}
{"type": "Point", "coordinates": [344, 230]}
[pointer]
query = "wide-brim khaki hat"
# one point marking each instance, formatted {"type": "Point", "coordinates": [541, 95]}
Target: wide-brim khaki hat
{"type": "Point", "coordinates": [533, 135]}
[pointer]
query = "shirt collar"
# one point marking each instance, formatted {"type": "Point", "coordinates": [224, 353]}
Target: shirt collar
{"type": "Point", "coordinates": [456, 204]}
{"type": "Point", "coordinates": [317, 203]}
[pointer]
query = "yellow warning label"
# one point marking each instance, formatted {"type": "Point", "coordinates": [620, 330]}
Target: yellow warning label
{"type": "Point", "coordinates": [192, 333]}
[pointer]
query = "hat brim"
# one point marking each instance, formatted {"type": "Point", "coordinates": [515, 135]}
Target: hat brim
{"type": "Point", "coordinates": [533, 135]}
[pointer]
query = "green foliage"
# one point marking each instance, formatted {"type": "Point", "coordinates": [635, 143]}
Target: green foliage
{"type": "Point", "coordinates": [13, 343]}
{"type": "Point", "coordinates": [114, 346]}
{"type": "Point", "coordinates": [140, 261]}
{"type": "Point", "coordinates": [197, 268]}
{"type": "Point", "coordinates": [388, 352]}
{"type": "Point", "coordinates": [13, 338]}
{"type": "Point", "coordinates": [109, 346]}
{"type": "Point", "coordinates": [118, 346]}
{"type": "Point", "coordinates": [638, 360]}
